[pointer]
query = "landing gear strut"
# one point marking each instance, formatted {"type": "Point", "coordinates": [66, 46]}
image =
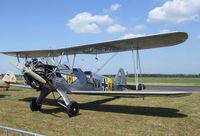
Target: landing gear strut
{"type": "Point", "coordinates": [34, 106]}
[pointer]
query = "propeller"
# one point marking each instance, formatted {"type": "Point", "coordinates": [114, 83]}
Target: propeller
{"type": "Point", "coordinates": [28, 71]}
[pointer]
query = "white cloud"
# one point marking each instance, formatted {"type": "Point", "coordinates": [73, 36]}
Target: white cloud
{"type": "Point", "coordinates": [198, 37]}
{"type": "Point", "coordinates": [87, 23]}
{"type": "Point", "coordinates": [165, 31]}
{"type": "Point", "coordinates": [116, 28]}
{"type": "Point", "coordinates": [127, 36]}
{"type": "Point", "coordinates": [113, 7]}
{"type": "Point", "coordinates": [139, 27]}
{"type": "Point", "coordinates": [175, 11]}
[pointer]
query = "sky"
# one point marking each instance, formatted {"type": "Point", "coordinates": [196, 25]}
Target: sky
{"type": "Point", "coordinates": [49, 24]}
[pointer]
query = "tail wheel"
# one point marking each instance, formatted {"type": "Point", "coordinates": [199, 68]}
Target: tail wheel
{"type": "Point", "coordinates": [34, 106]}
{"type": "Point", "coordinates": [73, 109]}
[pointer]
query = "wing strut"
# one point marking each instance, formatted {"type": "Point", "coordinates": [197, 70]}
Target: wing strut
{"type": "Point", "coordinates": [73, 61]}
{"type": "Point", "coordinates": [18, 58]}
{"type": "Point", "coordinates": [68, 60]}
{"type": "Point", "coordinates": [140, 69]}
{"type": "Point", "coordinates": [137, 69]}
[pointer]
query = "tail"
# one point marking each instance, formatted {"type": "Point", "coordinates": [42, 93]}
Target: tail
{"type": "Point", "coordinates": [120, 78]}
{"type": "Point", "coordinates": [9, 77]}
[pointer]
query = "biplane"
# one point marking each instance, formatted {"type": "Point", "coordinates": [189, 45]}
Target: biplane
{"type": "Point", "coordinates": [43, 73]}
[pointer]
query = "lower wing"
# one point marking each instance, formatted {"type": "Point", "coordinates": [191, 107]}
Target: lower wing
{"type": "Point", "coordinates": [135, 93]}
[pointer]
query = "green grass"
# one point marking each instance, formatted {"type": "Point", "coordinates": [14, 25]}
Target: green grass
{"type": "Point", "coordinates": [169, 81]}
{"type": "Point", "coordinates": [103, 116]}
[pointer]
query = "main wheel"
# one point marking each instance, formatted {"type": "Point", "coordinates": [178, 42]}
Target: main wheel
{"type": "Point", "coordinates": [34, 106]}
{"type": "Point", "coordinates": [141, 87]}
{"type": "Point", "coordinates": [73, 109]}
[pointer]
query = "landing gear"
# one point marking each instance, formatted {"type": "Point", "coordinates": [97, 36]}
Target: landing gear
{"type": "Point", "coordinates": [71, 106]}
{"type": "Point", "coordinates": [73, 109]}
{"type": "Point", "coordinates": [34, 106]}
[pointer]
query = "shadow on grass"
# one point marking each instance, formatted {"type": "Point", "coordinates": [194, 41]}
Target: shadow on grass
{"type": "Point", "coordinates": [99, 106]}
{"type": "Point", "coordinates": [10, 90]}
{"type": "Point", "coordinates": [50, 102]}
{"type": "Point", "coordinates": [2, 95]}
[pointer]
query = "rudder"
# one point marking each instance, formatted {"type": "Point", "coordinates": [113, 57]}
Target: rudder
{"type": "Point", "coordinates": [9, 77]}
{"type": "Point", "coordinates": [120, 78]}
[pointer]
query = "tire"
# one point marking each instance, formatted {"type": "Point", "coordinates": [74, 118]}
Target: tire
{"type": "Point", "coordinates": [73, 109]}
{"type": "Point", "coordinates": [141, 86]}
{"type": "Point", "coordinates": [34, 106]}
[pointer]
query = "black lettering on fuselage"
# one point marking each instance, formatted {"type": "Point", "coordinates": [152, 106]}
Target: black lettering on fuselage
{"type": "Point", "coordinates": [96, 83]}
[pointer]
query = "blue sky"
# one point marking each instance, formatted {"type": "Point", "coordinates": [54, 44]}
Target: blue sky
{"type": "Point", "coordinates": [36, 24]}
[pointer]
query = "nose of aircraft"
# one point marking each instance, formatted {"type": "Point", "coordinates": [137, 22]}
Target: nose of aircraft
{"type": "Point", "coordinates": [28, 71]}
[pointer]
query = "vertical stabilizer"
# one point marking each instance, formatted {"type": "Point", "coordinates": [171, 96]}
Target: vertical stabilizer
{"type": "Point", "coordinates": [120, 78]}
{"type": "Point", "coordinates": [9, 77]}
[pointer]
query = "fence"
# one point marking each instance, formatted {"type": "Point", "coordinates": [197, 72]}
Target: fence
{"type": "Point", "coordinates": [21, 132]}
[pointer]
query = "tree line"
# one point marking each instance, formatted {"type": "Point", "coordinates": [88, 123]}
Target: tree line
{"type": "Point", "coordinates": [164, 75]}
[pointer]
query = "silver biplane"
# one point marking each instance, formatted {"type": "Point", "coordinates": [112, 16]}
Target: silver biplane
{"type": "Point", "coordinates": [46, 75]}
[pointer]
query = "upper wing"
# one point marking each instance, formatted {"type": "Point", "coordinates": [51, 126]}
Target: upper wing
{"type": "Point", "coordinates": [144, 42]}
{"type": "Point", "coordinates": [134, 93]}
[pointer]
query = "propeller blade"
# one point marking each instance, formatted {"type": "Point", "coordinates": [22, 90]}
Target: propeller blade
{"type": "Point", "coordinates": [26, 70]}
{"type": "Point", "coordinates": [17, 65]}
{"type": "Point", "coordinates": [35, 76]}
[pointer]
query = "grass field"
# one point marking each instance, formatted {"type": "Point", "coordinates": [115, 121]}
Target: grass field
{"type": "Point", "coordinates": [169, 81]}
{"type": "Point", "coordinates": [101, 115]}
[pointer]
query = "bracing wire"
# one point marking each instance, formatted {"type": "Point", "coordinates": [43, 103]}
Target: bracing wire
{"type": "Point", "coordinates": [99, 69]}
